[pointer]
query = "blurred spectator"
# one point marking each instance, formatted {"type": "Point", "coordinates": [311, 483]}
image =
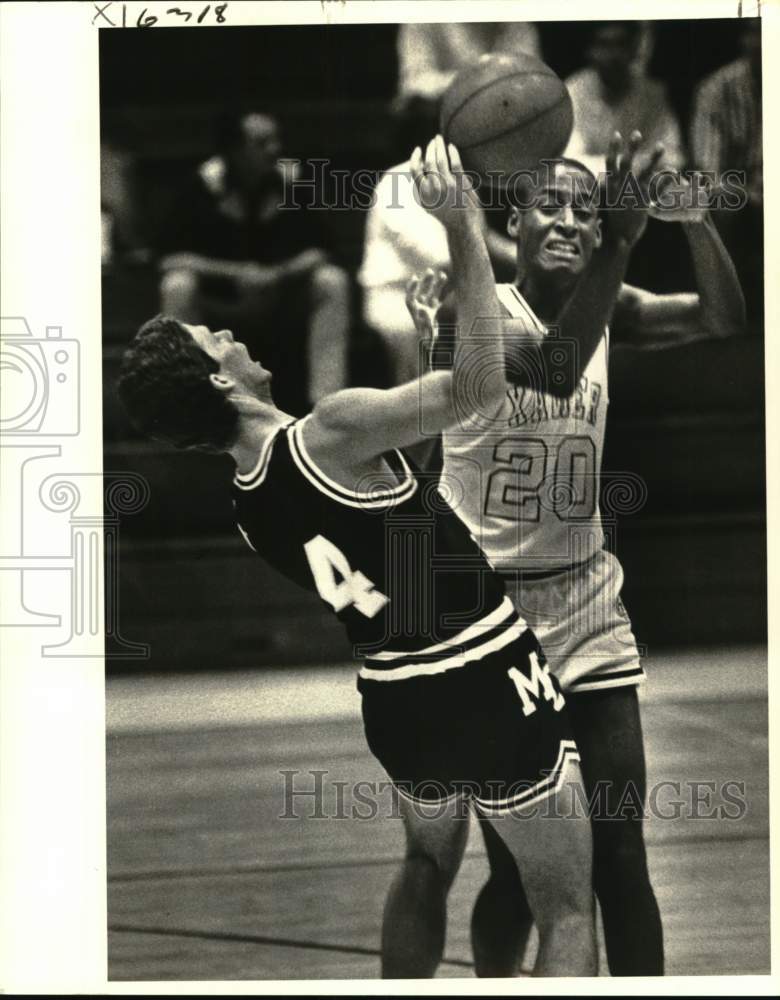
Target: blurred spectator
{"type": "Point", "coordinates": [726, 129]}
{"type": "Point", "coordinates": [402, 239]}
{"type": "Point", "coordinates": [429, 55]}
{"type": "Point", "coordinates": [118, 202]}
{"type": "Point", "coordinates": [726, 134]}
{"type": "Point", "coordinates": [613, 93]}
{"type": "Point", "coordinates": [235, 259]}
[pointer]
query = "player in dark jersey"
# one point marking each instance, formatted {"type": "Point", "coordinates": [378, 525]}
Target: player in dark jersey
{"type": "Point", "coordinates": [457, 700]}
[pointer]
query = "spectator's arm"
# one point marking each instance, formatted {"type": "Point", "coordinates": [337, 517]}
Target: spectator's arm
{"type": "Point", "coordinates": [418, 72]}
{"type": "Point", "coordinates": [667, 131]}
{"type": "Point", "coordinates": [577, 149]}
{"type": "Point", "coordinates": [246, 272]}
{"type": "Point", "coordinates": [706, 135]}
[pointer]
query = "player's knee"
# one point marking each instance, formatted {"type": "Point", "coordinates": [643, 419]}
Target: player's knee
{"type": "Point", "coordinates": [178, 288]}
{"type": "Point", "coordinates": [330, 282]}
{"type": "Point", "coordinates": [426, 872]}
{"type": "Point", "coordinates": [568, 902]}
{"type": "Point", "coordinates": [439, 862]}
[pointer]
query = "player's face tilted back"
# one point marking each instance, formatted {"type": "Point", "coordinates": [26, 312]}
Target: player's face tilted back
{"type": "Point", "coordinates": [234, 360]}
{"type": "Point", "coordinates": [557, 228]}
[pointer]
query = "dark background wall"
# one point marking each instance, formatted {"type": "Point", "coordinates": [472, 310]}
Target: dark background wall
{"type": "Point", "coordinates": [689, 421]}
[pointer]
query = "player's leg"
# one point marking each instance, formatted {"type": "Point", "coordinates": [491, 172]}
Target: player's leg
{"type": "Point", "coordinates": [180, 296]}
{"type": "Point", "coordinates": [501, 920]}
{"type": "Point", "coordinates": [415, 916]}
{"type": "Point", "coordinates": [328, 331]}
{"type": "Point", "coordinates": [551, 846]}
{"type": "Point", "coordinates": [608, 731]}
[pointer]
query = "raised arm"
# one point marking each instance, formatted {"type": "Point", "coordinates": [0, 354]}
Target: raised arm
{"type": "Point", "coordinates": [367, 422]}
{"type": "Point", "coordinates": [539, 361]}
{"type": "Point", "coordinates": [595, 299]}
{"type": "Point", "coordinates": [716, 309]}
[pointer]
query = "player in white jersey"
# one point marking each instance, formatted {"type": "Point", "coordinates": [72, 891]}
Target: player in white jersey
{"type": "Point", "coordinates": [529, 483]}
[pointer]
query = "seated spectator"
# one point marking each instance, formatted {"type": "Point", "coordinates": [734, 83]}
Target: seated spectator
{"type": "Point", "coordinates": [429, 55]}
{"type": "Point", "coordinates": [401, 240]}
{"type": "Point", "coordinates": [726, 134]}
{"type": "Point", "coordinates": [726, 129]}
{"type": "Point", "coordinates": [236, 260]}
{"type": "Point", "coordinates": [118, 201]}
{"type": "Point", "coordinates": [612, 93]}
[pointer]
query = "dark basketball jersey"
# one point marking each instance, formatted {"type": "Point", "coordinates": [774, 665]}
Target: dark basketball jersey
{"type": "Point", "coordinates": [396, 565]}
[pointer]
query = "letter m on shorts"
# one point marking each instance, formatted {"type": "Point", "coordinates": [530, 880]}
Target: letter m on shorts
{"type": "Point", "coordinates": [539, 685]}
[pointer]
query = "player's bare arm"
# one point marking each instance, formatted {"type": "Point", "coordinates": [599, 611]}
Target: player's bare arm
{"type": "Point", "coordinates": [445, 192]}
{"type": "Point", "coordinates": [361, 424]}
{"type": "Point", "coordinates": [590, 307]}
{"type": "Point", "coordinates": [594, 301]}
{"type": "Point", "coordinates": [716, 309]}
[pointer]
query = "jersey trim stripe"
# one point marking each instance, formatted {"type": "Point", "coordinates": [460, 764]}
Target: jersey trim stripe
{"type": "Point", "coordinates": [513, 294]}
{"type": "Point", "coordinates": [332, 489]}
{"type": "Point", "coordinates": [615, 678]}
{"type": "Point", "coordinates": [567, 753]}
{"type": "Point", "coordinates": [454, 648]}
{"type": "Point", "coordinates": [509, 634]}
{"type": "Point", "coordinates": [250, 480]}
{"type": "Point", "coordinates": [425, 802]}
{"type": "Point", "coordinates": [476, 630]}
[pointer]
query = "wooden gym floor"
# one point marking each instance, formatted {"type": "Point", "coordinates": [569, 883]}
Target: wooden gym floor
{"type": "Point", "coordinates": [208, 882]}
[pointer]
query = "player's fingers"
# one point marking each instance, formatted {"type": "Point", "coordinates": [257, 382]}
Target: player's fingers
{"type": "Point", "coordinates": [634, 142]}
{"type": "Point", "coordinates": [430, 167]}
{"type": "Point", "coordinates": [442, 163]}
{"type": "Point", "coordinates": [426, 283]}
{"type": "Point", "coordinates": [412, 286]}
{"type": "Point", "coordinates": [433, 289]}
{"type": "Point", "coordinates": [415, 163]}
{"type": "Point", "coordinates": [647, 171]}
{"type": "Point", "coordinates": [439, 282]}
{"type": "Point", "coordinates": [455, 160]}
{"type": "Point", "coordinates": [614, 153]}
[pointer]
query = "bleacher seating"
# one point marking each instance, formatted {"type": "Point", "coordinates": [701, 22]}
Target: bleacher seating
{"type": "Point", "coordinates": [689, 421]}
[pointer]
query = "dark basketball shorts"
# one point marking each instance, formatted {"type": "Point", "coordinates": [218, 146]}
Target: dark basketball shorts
{"type": "Point", "coordinates": [494, 730]}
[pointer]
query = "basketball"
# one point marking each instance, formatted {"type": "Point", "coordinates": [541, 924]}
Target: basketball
{"type": "Point", "coordinates": [506, 113]}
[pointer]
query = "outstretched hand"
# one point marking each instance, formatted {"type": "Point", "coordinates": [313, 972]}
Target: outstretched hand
{"type": "Point", "coordinates": [628, 177]}
{"type": "Point", "coordinates": [423, 299]}
{"type": "Point", "coordinates": [442, 187]}
{"type": "Point", "coordinates": [676, 199]}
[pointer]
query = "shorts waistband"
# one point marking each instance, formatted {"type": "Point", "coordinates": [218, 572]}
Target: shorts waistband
{"type": "Point", "coordinates": [526, 575]}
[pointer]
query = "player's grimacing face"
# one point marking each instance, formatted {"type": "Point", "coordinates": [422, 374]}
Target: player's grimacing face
{"type": "Point", "coordinates": [560, 230]}
{"type": "Point", "coordinates": [231, 355]}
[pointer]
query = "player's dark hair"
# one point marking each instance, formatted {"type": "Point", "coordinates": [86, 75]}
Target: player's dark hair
{"type": "Point", "coordinates": [164, 385]}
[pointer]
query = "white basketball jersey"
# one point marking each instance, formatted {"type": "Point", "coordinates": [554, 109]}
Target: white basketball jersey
{"type": "Point", "coordinates": [528, 488]}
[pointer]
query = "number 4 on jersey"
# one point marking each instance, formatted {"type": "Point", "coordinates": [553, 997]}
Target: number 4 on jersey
{"type": "Point", "coordinates": [328, 563]}
{"type": "Point", "coordinates": [531, 690]}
